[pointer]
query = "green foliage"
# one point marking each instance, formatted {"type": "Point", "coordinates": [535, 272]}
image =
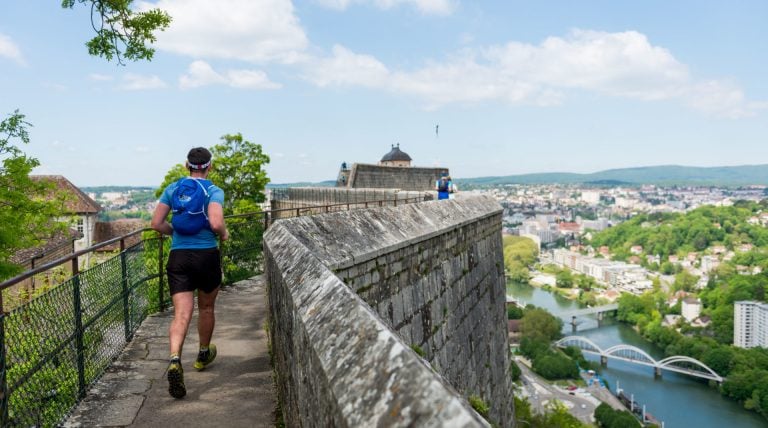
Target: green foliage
{"type": "Point", "coordinates": [122, 31]}
{"type": "Point", "coordinates": [672, 234]}
{"type": "Point", "coordinates": [514, 312]}
{"type": "Point", "coordinates": [519, 254]}
{"type": "Point", "coordinates": [479, 405]}
{"type": "Point", "coordinates": [417, 349]}
{"type": "Point", "coordinates": [238, 168]}
{"type": "Point", "coordinates": [555, 365]}
{"type": "Point", "coordinates": [532, 347]}
{"type": "Point", "coordinates": [685, 281]}
{"type": "Point", "coordinates": [514, 370]}
{"type": "Point", "coordinates": [26, 206]}
{"type": "Point", "coordinates": [540, 324]}
{"type": "Point", "coordinates": [607, 417]}
{"type": "Point", "coordinates": [564, 279]}
{"type": "Point", "coordinates": [555, 415]}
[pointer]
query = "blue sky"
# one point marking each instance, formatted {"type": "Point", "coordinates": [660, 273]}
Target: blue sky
{"type": "Point", "coordinates": [516, 87]}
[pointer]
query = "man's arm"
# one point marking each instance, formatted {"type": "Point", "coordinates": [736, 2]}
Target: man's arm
{"type": "Point", "coordinates": [216, 220]}
{"type": "Point", "coordinates": [159, 222]}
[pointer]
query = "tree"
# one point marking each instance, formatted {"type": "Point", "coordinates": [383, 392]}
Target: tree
{"type": "Point", "coordinates": [121, 31]}
{"type": "Point", "coordinates": [239, 171]}
{"type": "Point", "coordinates": [24, 213]}
{"type": "Point", "coordinates": [685, 281]}
{"type": "Point", "coordinates": [564, 279]}
{"type": "Point", "coordinates": [538, 323]}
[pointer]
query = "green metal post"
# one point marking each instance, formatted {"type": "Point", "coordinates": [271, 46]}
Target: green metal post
{"type": "Point", "coordinates": [3, 382]}
{"type": "Point", "coordinates": [124, 276]}
{"type": "Point", "coordinates": [161, 279]}
{"type": "Point", "coordinates": [78, 329]}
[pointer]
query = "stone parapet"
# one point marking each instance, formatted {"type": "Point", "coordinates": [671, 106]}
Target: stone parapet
{"type": "Point", "coordinates": [314, 200]}
{"type": "Point", "coordinates": [357, 297]}
{"type": "Point", "coordinates": [406, 178]}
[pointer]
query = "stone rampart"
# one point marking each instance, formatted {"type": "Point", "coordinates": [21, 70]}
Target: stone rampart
{"type": "Point", "coordinates": [357, 295]}
{"type": "Point", "coordinates": [406, 178]}
{"type": "Point", "coordinates": [307, 199]}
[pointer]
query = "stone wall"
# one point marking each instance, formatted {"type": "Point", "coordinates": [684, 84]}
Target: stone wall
{"type": "Point", "coordinates": [285, 201]}
{"type": "Point", "coordinates": [356, 295]}
{"type": "Point", "coordinates": [406, 178]}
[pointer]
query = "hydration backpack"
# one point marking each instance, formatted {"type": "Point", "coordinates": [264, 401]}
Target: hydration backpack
{"type": "Point", "coordinates": [443, 186]}
{"type": "Point", "coordinates": [188, 205]}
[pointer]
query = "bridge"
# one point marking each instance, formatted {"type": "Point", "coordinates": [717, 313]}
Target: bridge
{"type": "Point", "coordinates": [677, 363]}
{"type": "Point", "coordinates": [599, 310]}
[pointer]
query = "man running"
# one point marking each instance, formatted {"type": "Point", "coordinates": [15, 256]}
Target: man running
{"type": "Point", "coordinates": [194, 262]}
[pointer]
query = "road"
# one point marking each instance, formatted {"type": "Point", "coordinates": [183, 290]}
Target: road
{"type": "Point", "coordinates": [539, 393]}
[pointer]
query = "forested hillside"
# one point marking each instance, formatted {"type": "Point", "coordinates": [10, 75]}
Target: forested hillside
{"type": "Point", "coordinates": [736, 238]}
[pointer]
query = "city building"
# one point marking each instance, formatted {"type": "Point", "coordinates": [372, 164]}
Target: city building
{"type": "Point", "coordinates": [81, 212]}
{"type": "Point", "coordinates": [750, 324]}
{"type": "Point", "coordinates": [591, 197]}
{"type": "Point", "coordinates": [691, 308]}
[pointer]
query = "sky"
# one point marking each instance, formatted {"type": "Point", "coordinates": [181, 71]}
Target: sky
{"type": "Point", "coordinates": [485, 88]}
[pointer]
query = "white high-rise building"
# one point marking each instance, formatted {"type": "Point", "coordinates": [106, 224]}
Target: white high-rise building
{"type": "Point", "coordinates": [750, 324]}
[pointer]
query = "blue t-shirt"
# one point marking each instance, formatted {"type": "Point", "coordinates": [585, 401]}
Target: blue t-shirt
{"type": "Point", "coordinates": [203, 239]}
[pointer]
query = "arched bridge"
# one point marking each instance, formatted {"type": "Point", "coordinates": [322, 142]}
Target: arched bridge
{"type": "Point", "coordinates": [676, 363]}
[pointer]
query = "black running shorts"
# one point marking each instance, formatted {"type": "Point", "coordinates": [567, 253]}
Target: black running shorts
{"type": "Point", "coordinates": [190, 270]}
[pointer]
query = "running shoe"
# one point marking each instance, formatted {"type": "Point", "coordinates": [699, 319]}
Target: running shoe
{"type": "Point", "coordinates": [205, 357]}
{"type": "Point", "coordinates": [176, 379]}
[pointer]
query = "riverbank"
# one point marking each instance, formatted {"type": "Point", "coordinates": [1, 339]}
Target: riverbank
{"type": "Point", "coordinates": [548, 282]}
{"type": "Point", "coordinates": [676, 399]}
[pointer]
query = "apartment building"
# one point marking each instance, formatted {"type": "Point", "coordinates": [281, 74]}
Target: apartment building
{"type": "Point", "coordinates": [750, 324]}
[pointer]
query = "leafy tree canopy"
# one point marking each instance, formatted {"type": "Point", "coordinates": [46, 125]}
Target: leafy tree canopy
{"type": "Point", "coordinates": [24, 212]}
{"type": "Point", "coordinates": [122, 32]}
{"type": "Point", "coordinates": [538, 323]}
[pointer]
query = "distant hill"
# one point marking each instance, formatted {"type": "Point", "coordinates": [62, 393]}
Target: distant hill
{"type": "Point", "coordinates": [661, 175]}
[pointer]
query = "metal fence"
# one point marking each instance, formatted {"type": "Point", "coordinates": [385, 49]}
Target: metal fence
{"type": "Point", "coordinates": [56, 344]}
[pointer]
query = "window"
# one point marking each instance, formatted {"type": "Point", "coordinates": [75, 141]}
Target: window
{"type": "Point", "coordinates": [80, 227]}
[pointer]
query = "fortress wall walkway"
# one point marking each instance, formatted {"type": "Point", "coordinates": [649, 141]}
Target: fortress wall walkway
{"type": "Point", "coordinates": [235, 391]}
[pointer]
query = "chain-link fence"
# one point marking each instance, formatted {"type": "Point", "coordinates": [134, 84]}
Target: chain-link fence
{"type": "Point", "coordinates": [63, 340]}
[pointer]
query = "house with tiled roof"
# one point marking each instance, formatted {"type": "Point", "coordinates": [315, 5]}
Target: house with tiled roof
{"type": "Point", "coordinates": [81, 211]}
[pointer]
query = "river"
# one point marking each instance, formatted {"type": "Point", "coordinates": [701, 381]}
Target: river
{"type": "Point", "coordinates": [675, 399]}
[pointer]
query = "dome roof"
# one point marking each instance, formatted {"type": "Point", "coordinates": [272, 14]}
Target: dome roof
{"type": "Point", "coordinates": [396, 155]}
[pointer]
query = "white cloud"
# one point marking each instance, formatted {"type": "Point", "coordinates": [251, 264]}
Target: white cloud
{"type": "Point", "coordinates": [137, 82]}
{"type": "Point", "coordinates": [623, 64]}
{"type": "Point", "coordinates": [436, 7]}
{"type": "Point", "coordinates": [142, 149]}
{"type": "Point", "coordinates": [200, 73]}
{"type": "Point", "coordinates": [249, 30]}
{"type": "Point", "coordinates": [100, 77]}
{"type": "Point", "coordinates": [345, 67]}
{"type": "Point", "coordinates": [8, 49]}
{"type": "Point", "coordinates": [57, 87]}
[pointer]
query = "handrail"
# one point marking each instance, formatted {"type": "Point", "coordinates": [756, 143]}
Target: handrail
{"type": "Point", "coordinates": [30, 273]}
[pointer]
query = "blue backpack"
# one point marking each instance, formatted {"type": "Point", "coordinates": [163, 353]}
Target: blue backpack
{"type": "Point", "coordinates": [188, 203]}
